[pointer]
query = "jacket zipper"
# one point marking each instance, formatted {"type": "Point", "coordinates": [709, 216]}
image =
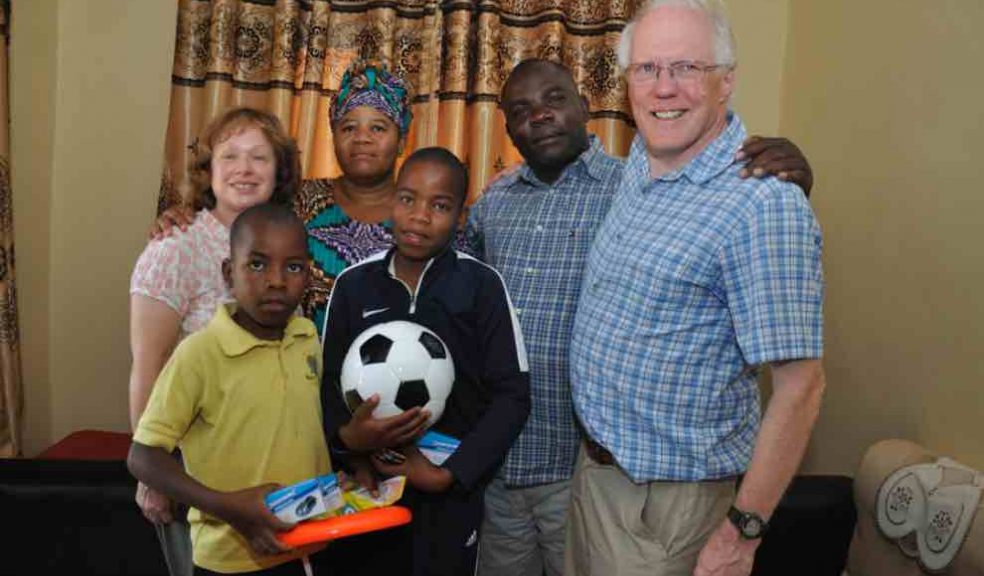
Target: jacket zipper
{"type": "Point", "coordinates": [420, 282]}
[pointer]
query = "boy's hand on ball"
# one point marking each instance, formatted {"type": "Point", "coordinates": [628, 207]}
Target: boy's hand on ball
{"type": "Point", "coordinates": [363, 433]}
{"type": "Point", "coordinates": [247, 513]}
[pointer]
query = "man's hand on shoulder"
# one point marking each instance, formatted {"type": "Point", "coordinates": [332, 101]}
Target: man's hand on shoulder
{"type": "Point", "coordinates": [777, 157]}
{"type": "Point", "coordinates": [180, 217]}
{"type": "Point", "coordinates": [726, 553]}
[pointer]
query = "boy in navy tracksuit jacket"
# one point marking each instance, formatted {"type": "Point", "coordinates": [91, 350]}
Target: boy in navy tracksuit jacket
{"type": "Point", "coordinates": [424, 280]}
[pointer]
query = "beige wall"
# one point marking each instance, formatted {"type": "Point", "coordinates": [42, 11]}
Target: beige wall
{"type": "Point", "coordinates": [760, 27]}
{"type": "Point", "coordinates": [885, 97]}
{"type": "Point", "coordinates": [90, 82]}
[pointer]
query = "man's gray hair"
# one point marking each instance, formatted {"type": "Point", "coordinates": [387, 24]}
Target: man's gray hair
{"type": "Point", "coordinates": [725, 47]}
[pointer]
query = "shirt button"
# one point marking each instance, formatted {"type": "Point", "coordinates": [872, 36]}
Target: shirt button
{"type": "Point", "coordinates": [530, 271]}
{"type": "Point", "coordinates": [519, 311]}
{"type": "Point", "coordinates": [539, 228]}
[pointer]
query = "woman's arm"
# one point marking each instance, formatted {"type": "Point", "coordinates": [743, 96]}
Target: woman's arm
{"type": "Point", "coordinates": [154, 331]}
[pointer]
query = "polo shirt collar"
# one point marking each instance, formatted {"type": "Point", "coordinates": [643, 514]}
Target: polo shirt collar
{"type": "Point", "coordinates": [234, 340]}
{"type": "Point", "coordinates": [717, 157]}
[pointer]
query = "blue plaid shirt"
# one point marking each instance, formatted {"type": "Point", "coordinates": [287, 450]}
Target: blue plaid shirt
{"type": "Point", "coordinates": [538, 236]}
{"type": "Point", "coordinates": [695, 279]}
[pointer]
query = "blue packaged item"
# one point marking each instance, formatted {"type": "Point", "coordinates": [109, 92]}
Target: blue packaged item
{"type": "Point", "coordinates": [305, 499]}
{"type": "Point", "coordinates": [437, 447]}
{"type": "Point", "coordinates": [330, 495]}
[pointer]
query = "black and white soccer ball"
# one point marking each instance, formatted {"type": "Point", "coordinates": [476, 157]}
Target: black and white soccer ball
{"type": "Point", "coordinates": [405, 363]}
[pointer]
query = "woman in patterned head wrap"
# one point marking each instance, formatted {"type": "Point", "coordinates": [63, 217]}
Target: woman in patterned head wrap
{"type": "Point", "coordinates": [348, 217]}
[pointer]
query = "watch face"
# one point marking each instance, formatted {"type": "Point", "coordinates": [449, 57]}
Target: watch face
{"type": "Point", "coordinates": [752, 527]}
{"type": "Point", "coordinates": [749, 524]}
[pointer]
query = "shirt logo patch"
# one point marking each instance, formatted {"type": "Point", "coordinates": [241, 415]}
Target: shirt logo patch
{"type": "Point", "coordinates": [312, 363]}
{"type": "Point", "coordinates": [472, 539]}
{"type": "Point", "coordinates": [367, 313]}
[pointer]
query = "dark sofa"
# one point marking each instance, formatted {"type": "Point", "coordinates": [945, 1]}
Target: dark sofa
{"type": "Point", "coordinates": [70, 516]}
{"type": "Point", "coordinates": [74, 517]}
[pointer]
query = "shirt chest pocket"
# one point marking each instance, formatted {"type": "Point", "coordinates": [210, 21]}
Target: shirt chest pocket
{"type": "Point", "coordinates": [579, 234]}
{"type": "Point", "coordinates": [670, 275]}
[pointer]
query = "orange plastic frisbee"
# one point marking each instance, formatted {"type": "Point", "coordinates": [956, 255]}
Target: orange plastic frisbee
{"type": "Point", "coordinates": [347, 525]}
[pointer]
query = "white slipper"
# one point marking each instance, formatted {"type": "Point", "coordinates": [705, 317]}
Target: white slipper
{"type": "Point", "coordinates": [928, 510]}
{"type": "Point", "coordinates": [950, 511]}
{"type": "Point", "coordinates": [901, 505]}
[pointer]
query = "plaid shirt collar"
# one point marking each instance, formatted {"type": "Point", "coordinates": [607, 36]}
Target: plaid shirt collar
{"type": "Point", "coordinates": [707, 165]}
{"type": "Point", "coordinates": [591, 161]}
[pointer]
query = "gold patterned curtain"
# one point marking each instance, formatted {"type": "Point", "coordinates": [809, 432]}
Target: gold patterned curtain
{"type": "Point", "coordinates": [11, 401]}
{"type": "Point", "coordinates": [288, 56]}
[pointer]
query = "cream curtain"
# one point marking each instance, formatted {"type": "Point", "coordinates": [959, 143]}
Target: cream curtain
{"type": "Point", "coordinates": [288, 56]}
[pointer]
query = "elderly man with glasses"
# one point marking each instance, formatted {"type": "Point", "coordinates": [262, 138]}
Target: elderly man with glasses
{"type": "Point", "coordinates": [696, 280]}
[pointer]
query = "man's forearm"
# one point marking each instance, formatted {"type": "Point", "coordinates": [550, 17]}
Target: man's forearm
{"type": "Point", "coordinates": [785, 432]}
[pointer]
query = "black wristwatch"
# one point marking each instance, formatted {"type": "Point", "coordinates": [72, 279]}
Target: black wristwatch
{"type": "Point", "coordinates": [749, 524]}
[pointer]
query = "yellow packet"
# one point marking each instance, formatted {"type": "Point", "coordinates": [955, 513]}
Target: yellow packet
{"type": "Point", "coordinates": [349, 496]}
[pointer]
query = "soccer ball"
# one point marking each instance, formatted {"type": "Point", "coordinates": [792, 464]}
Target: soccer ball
{"type": "Point", "coordinates": [405, 363]}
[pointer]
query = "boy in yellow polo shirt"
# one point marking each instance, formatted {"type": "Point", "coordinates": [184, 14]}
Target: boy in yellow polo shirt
{"type": "Point", "coordinates": [241, 399]}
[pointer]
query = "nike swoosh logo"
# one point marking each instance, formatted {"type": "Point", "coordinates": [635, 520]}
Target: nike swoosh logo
{"type": "Point", "coordinates": [368, 313]}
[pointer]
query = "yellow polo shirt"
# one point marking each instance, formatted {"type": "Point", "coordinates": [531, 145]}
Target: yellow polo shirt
{"type": "Point", "coordinates": [244, 412]}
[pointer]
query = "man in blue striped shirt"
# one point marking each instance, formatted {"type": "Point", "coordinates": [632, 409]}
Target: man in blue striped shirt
{"type": "Point", "coordinates": [535, 225]}
{"type": "Point", "coordinates": [695, 280]}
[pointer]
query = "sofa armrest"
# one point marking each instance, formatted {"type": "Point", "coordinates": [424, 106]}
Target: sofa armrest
{"type": "Point", "coordinates": [873, 554]}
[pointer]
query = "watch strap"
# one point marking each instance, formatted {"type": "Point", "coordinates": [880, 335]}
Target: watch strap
{"type": "Point", "coordinates": [750, 525]}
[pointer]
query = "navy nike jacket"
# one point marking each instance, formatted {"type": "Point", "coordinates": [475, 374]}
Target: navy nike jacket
{"type": "Point", "coordinates": [465, 303]}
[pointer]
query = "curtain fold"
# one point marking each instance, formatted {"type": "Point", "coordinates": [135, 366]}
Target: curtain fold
{"type": "Point", "coordinates": [11, 400]}
{"type": "Point", "coordinates": [288, 57]}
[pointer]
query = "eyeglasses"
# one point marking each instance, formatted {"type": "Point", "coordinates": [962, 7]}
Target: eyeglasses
{"type": "Point", "coordinates": [683, 71]}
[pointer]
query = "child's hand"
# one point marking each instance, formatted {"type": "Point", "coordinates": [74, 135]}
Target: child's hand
{"type": "Point", "coordinates": [420, 473]}
{"type": "Point", "coordinates": [386, 465]}
{"type": "Point", "coordinates": [248, 514]}
{"type": "Point", "coordinates": [364, 474]}
{"type": "Point", "coordinates": [390, 456]}
{"type": "Point", "coordinates": [363, 433]}
{"type": "Point", "coordinates": [175, 216]}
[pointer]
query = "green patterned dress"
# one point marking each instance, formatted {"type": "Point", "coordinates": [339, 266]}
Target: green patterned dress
{"type": "Point", "coordinates": [335, 241]}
